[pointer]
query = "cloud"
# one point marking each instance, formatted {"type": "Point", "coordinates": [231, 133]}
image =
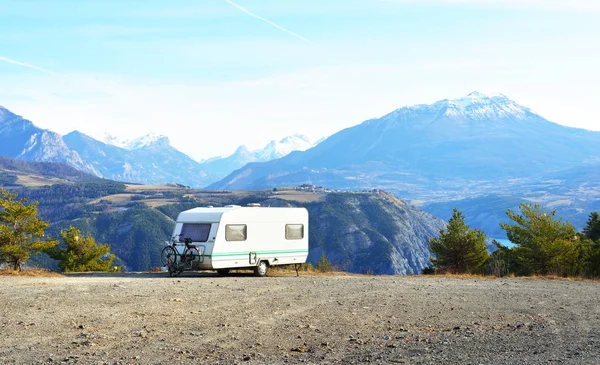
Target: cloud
{"type": "Point", "coordinates": [241, 8]}
{"type": "Point", "coordinates": [23, 64]}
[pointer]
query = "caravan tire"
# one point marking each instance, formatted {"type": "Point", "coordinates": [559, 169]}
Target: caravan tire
{"type": "Point", "coordinates": [261, 269]}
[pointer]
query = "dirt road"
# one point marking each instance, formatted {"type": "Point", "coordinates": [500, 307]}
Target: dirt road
{"type": "Point", "coordinates": [202, 318]}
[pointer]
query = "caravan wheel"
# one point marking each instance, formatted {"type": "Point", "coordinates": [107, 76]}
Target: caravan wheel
{"type": "Point", "coordinates": [261, 269]}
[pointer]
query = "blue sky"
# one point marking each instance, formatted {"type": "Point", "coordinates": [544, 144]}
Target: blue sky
{"type": "Point", "coordinates": [215, 74]}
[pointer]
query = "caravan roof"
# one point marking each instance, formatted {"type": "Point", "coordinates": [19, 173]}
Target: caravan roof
{"type": "Point", "coordinates": [214, 214]}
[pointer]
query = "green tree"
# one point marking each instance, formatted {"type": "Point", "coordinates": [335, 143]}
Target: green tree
{"type": "Point", "coordinates": [590, 241]}
{"type": "Point", "coordinates": [21, 230]}
{"type": "Point", "coordinates": [592, 227]}
{"type": "Point", "coordinates": [590, 256]}
{"type": "Point", "coordinates": [459, 249]}
{"type": "Point", "coordinates": [81, 253]}
{"type": "Point", "coordinates": [324, 265]}
{"type": "Point", "coordinates": [545, 244]}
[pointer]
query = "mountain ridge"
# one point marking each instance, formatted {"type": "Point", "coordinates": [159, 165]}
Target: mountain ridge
{"type": "Point", "coordinates": [423, 142]}
{"type": "Point", "coordinates": [147, 159]}
{"type": "Point", "coordinates": [23, 140]}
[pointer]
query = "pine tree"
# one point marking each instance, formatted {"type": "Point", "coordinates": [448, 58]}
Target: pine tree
{"type": "Point", "coordinates": [21, 230]}
{"type": "Point", "coordinates": [592, 227]}
{"type": "Point", "coordinates": [591, 246]}
{"type": "Point", "coordinates": [81, 253]}
{"type": "Point", "coordinates": [459, 249]}
{"type": "Point", "coordinates": [545, 245]}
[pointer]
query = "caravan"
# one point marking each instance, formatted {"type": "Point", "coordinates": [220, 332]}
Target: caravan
{"type": "Point", "coordinates": [236, 237]}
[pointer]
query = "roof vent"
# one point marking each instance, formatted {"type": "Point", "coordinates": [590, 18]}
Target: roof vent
{"type": "Point", "coordinates": [231, 206]}
{"type": "Point", "coordinates": [254, 204]}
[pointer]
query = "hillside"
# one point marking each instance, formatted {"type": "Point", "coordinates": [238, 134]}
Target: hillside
{"type": "Point", "coordinates": [359, 232]}
{"type": "Point", "coordinates": [372, 232]}
{"type": "Point", "coordinates": [15, 172]}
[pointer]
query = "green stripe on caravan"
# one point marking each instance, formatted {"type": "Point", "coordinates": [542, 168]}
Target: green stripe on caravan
{"type": "Point", "coordinates": [258, 253]}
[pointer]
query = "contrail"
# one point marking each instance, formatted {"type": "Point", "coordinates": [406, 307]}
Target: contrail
{"type": "Point", "coordinates": [268, 22]}
{"type": "Point", "coordinates": [14, 62]}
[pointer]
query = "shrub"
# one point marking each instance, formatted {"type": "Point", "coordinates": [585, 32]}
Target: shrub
{"type": "Point", "coordinates": [324, 265]}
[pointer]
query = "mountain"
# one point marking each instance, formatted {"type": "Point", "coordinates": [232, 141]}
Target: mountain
{"type": "Point", "coordinates": [371, 232]}
{"type": "Point", "coordinates": [21, 139]}
{"type": "Point", "coordinates": [149, 160]}
{"type": "Point", "coordinates": [278, 149]}
{"type": "Point", "coordinates": [151, 140]}
{"type": "Point", "coordinates": [15, 172]}
{"type": "Point", "coordinates": [451, 147]}
{"type": "Point", "coordinates": [218, 168]}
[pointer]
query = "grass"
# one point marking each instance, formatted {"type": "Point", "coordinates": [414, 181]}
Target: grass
{"type": "Point", "coordinates": [30, 272]}
{"type": "Point", "coordinates": [510, 276]}
{"type": "Point", "coordinates": [35, 181]}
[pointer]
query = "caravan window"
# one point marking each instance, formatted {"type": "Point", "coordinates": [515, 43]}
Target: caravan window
{"type": "Point", "coordinates": [198, 232]}
{"type": "Point", "coordinates": [294, 231]}
{"type": "Point", "coordinates": [235, 232]}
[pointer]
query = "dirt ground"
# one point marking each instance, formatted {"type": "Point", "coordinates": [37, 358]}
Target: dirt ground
{"type": "Point", "coordinates": [200, 318]}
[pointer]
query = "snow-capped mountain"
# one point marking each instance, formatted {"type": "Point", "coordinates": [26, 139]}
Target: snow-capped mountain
{"type": "Point", "coordinates": [149, 140]}
{"type": "Point", "coordinates": [445, 146]}
{"type": "Point", "coordinates": [21, 139]}
{"type": "Point", "coordinates": [220, 167]}
{"type": "Point", "coordinates": [475, 106]}
{"type": "Point", "coordinates": [278, 149]}
{"type": "Point", "coordinates": [149, 160]}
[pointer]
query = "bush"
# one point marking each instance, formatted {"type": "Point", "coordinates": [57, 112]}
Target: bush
{"type": "Point", "coordinates": [81, 253]}
{"type": "Point", "coordinates": [429, 270]}
{"type": "Point", "coordinates": [324, 265]}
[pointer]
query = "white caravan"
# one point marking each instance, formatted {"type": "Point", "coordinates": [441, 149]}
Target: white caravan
{"type": "Point", "coordinates": [235, 237]}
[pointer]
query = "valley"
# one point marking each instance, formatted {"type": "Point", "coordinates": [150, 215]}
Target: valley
{"type": "Point", "coordinates": [368, 231]}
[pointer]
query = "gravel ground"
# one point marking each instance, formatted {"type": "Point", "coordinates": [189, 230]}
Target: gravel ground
{"type": "Point", "coordinates": [336, 319]}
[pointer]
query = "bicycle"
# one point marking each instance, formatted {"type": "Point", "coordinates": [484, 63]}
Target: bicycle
{"type": "Point", "coordinates": [175, 262]}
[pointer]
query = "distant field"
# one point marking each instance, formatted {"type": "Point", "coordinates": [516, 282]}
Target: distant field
{"type": "Point", "coordinates": [153, 203]}
{"type": "Point", "coordinates": [115, 198]}
{"type": "Point", "coordinates": [299, 196]}
{"type": "Point", "coordinates": [34, 180]}
{"type": "Point", "coordinates": [140, 188]}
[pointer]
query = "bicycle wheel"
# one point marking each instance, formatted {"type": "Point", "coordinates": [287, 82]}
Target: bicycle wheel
{"type": "Point", "coordinates": [168, 256]}
{"type": "Point", "coordinates": [192, 258]}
